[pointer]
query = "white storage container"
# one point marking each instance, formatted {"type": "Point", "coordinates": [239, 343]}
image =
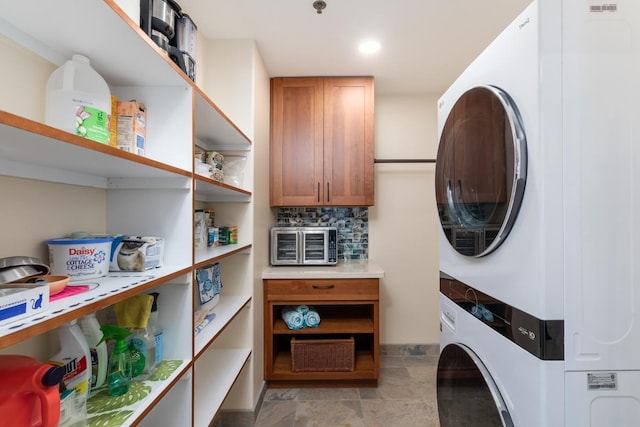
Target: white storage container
{"type": "Point", "coordinates": [80, 259]}
{"type": "Point", "coordinates": [233, 169]}
{"type": "Point", "coordinates": [78, 100]}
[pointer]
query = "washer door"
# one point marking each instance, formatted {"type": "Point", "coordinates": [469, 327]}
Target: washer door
{"type": "Point", "coordinates": [466, 393]}
{"type": "Point", "coordinates": [481, 170]}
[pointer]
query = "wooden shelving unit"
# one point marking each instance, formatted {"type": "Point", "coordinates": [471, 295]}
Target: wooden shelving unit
{"type": "Point", "coordinates": [347, 308]}
{"type": "Point", "coordinates": [154, 195]}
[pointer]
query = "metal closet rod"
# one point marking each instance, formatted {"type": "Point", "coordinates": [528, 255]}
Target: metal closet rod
{"type": "Point", "coordinates": [404, 160]}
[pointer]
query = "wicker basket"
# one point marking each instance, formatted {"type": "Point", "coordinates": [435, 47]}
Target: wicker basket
{"type": "Point", "coordinates": [324, 355]}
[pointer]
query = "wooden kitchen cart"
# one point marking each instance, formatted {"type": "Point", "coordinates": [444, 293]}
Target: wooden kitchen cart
{"type": "Point", "coordinates": [347, 308]}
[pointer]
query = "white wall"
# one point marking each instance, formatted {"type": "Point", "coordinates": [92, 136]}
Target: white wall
{"type": "Point", "coordinates": [226, 73]}
{"type": "Point", "coordinates": [23, 79]}
{"type": "Point", "coordinates": [403, 224]}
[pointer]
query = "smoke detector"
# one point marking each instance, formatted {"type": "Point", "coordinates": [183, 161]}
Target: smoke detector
{"type": "Point", "coordinates": [319, 6]}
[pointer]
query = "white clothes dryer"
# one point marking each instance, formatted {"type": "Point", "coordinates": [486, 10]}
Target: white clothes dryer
{"type": "Point", "coordinates": [499, 170]}
{"type": "Point", "coordinates": [538, 191]}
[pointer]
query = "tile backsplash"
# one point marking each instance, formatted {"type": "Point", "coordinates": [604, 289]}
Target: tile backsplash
{"type": "Point", "coordinates": [352, 225]}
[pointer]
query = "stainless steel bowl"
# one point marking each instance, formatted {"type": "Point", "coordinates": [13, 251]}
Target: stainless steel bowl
{"type": "Point", "coordinates": [13, 261]}
{"type": "Point", "coordinates": [20, 267]}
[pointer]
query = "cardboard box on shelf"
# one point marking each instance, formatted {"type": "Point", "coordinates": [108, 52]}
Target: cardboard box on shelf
{"type": "Point", "coordinates": [138, 253]}
{"type": "Point", "coordinates": [131, 125]}
{"type": "Point", "coordinates": [19, 300]}
{"type": "Point", "coordinates": [113, 122]}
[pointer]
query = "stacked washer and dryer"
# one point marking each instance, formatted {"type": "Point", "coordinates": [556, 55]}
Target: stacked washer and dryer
{"type": "Point", "coordinates": [538, 193]}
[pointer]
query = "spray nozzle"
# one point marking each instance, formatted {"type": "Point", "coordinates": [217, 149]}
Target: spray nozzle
{"type": "Point", "coordinates": [119, 334]}
{"type": "Point", "coordinates": [154, 306]}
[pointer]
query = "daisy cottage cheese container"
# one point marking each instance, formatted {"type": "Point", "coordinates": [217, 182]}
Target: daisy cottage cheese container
{"type": "Point", "coordinates": [80, 259]}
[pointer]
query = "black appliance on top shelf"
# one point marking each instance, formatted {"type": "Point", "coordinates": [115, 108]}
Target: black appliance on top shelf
{"type": "Point", "coordinates": [185, 41]}
{"type": "Point", "coordinates": [172, 30]}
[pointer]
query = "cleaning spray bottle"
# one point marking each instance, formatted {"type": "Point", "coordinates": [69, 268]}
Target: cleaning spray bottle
{"type": "Point", "coordinates": [133, 314]}
{"type": "Point", "coordinates": [97, 348]}
{"type": "Point", "coordinates": [154, 327]}
{"type": "Point", "coordinates": [119, 369]}
{"type": "Point", "coordinates": [142, 346]}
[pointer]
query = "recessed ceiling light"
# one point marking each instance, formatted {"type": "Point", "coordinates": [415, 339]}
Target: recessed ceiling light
{"type": "Point", "coordinates": [369, 47]}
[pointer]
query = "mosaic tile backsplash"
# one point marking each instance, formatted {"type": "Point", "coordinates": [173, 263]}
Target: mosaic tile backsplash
{"type": "Point", "coordinates": [352, 225]}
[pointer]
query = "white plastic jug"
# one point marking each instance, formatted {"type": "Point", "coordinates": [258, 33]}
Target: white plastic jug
{"type": "Point", "coordinates": [78, 100]}
{"type": "Point", "coordinates": [74, 355]}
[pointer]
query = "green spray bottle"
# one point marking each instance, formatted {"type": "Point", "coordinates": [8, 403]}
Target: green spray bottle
{"type": "Point", "coordinates": [119, 369]}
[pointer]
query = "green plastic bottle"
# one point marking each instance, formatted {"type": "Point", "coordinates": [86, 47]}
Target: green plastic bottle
{"type": "Point", "coordinates": [119, 370]}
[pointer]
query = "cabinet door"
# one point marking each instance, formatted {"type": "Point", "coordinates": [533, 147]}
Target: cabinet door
{"type": "Point", "coordinates": [322, 141]}
{"type": "Point", "coordinates": [348, 141]}
{"type": "Point", "coordinates": [296, 142]}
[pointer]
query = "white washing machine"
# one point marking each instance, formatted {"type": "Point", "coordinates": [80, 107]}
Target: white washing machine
{"type": "Point", "coordinates": [537, 186]}
{"type": "Point", "coordinates": [502, 367]}
{"type": "Point", "coordinates": [486, 381]}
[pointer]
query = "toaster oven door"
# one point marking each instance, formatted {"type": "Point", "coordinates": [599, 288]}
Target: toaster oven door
{"type": "Point", "coordinates": [285, 247]}
{"type": "Point", "coordinates": [315, 247]}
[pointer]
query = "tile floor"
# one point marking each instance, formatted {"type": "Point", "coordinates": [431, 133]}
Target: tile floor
{"type": "Point", "coordinates": [405, 397]}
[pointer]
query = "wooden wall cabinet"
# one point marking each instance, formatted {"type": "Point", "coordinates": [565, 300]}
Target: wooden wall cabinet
{"type": "Point", "coordinates": [347, 308]}
{"type": "Point", "coordinates": [322, 141]}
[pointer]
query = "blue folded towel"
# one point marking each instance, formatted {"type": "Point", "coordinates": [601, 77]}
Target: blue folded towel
{"type": "Point", "coordinates": [312, 318]}
{"type": "Point", "coordinates": [480, 311]}
{"type": "Point", "coordinates": [292, 318]}
{"type": "Point", "coordinates": [302, 309]}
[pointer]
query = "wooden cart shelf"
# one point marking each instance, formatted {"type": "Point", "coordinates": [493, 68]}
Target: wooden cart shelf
{"type": "Point", "coordinates": [328, 326]}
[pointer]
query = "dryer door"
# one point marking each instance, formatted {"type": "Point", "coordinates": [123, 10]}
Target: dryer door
{"type": "Point", "coordinates": [467, 395]}
{"type": "Point", "coordinates": [481, 170]}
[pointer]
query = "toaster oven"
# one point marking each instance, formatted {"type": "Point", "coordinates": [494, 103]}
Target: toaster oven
{"type": "Point", "coordinates": [304, 246]}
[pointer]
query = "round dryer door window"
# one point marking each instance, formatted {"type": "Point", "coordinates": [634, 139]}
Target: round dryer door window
{"type": "Point", "coordinates": [466, 393]}
{"type": "Point", "coordinates": [481, 170]}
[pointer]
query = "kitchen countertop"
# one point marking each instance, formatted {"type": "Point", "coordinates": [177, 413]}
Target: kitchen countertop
{"type": "Point", "coordinates": [343, 270]}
